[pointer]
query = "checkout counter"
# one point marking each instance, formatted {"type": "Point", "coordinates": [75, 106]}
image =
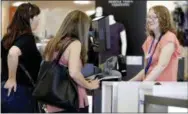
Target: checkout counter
{"type": "Point", "coordinates": [138, 97]}
{"type": "Point", "coordinates": [135, 97]}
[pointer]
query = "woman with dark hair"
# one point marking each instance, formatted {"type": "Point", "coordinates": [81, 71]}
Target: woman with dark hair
{"type": "Point", "coordinates": [18, 47]}
{"type": "Point", "coordinates": [74, 27]}
{"type": "Point", "coordinates": [161, 48]}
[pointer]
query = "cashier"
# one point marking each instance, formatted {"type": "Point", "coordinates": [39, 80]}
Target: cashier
{"type": "Point", "coordinates": [161, 47]}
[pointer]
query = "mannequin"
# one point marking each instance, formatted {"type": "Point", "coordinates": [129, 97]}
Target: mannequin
{"type": "Point", "coordinates": [100, 27]}
{"type": "Point", "coordinates": [111, 20]}
{"type": "Point", "coordinates": [98, 14]}
{"type": "Point", "coordinates": [93, 54]}
{"type": "Point", "coordinates": [122, 35]}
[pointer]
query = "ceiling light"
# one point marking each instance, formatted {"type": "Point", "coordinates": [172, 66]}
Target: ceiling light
{"type": "Point", "coordinates": [16, 4]}
{"type": "Point", "coordinates": [82, 2]}
{"type": "Point", "coordinates": [90, 12]}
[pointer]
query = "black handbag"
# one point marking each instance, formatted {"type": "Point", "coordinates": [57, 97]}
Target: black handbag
{"type": "Point", "coordinates": [55, 86]}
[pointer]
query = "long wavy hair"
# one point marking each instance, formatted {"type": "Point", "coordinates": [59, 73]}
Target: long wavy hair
{"type": "Point", "coordinates": [75, 26]}
{"type": "Point", "coordinates": [165, 20]}
{"type": "Point", "coordinates": [20, 23]}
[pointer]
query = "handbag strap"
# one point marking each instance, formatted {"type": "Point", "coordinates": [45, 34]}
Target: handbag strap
{"type": "Point", "coordinates": [38, 108]}
{"type": "Point", "coordinates": [63, 48]}
{"type": "Point", "coordinates": [57, 59]}
{"type": "Point", "coordinates": [27, 74]}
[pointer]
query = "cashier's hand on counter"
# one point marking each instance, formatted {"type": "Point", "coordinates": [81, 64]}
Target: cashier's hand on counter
{"type": "Point", "coordinates": [138, 77]}
{"type": "Point", "coordinates": [152, 76]}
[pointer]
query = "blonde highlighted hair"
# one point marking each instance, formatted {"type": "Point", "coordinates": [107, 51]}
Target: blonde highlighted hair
{"type": "Point", "coordinates": [75, 26]}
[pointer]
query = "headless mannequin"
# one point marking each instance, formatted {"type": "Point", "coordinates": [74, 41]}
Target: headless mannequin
{"type": "Point", "coordinates": [99, 13]}
{"type": "Point", "coordinates": [122, 35]}
{"type": "Point", "coordinates": [98, 16]}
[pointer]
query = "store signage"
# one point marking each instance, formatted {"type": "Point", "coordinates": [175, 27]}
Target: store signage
{"type": "Point", "coordinates": [120, 3]}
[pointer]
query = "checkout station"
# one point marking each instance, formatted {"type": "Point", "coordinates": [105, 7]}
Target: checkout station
{"type": "Point", "coordinates": [117, 96]}
{"type": "Point", "coordinates": [138, 97]}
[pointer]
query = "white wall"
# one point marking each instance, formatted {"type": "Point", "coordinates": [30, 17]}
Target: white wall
{"type": "Point", "coordinates": [51, 16]}
{"type": "Point", "coordinates": [54, 19]}
{"type": "Point", "coordinates": [53, 13]}
{"type": "Point", "coordinates": [51, 20]}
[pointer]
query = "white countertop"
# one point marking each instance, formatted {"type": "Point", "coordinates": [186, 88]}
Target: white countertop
{"type": "Point", "coordinates": [177, 90]}
{"type": "Point", "coordinates": [172, 90]}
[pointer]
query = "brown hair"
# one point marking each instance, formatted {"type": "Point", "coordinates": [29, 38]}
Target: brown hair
{"type": "Point", "coordinates": [165, 20]}
{"type": "Point", "coordinates": [75, 26]}
{"type": "Point", "coordinates": [20, 23]}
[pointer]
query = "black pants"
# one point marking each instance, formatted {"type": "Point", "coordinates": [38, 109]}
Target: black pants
{"type": "Point", "coordinates": [81, 110]}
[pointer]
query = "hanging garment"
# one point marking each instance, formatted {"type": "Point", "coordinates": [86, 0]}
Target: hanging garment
{"type": "Point", "coordinates": [101, 34]}
{"type": "Point", "coordinates": [122, 66]}
{"type": "Point", "coordinates": [92, 55]}
{"type": "Point", "coordinates": [178, 17]}
{"type": "Point", "coordinates": [186, 28]}
{"type": "Point", "coordinates": [101, 42]}
{"type": "Point", "coordinates": [186, 38]}
{"type": "Point", "coordinates": [181, 36]}
{"type": "Point", "coordinates": [186, 19]}
{"type": "Point", "coordinates": [115, 42]}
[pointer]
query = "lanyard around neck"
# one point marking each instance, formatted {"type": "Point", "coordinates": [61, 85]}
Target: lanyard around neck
{"type": "Point", "coordinates": [149, 61]}
{"type": "Point", "coordinates": [150, 48]}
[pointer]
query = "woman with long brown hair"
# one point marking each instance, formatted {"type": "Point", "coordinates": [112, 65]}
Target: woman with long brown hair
{"type": "Point", "coordinates": [161, 48]}
{"type": "Point", "coordinates": [74, 27]}
{"type": "Point", "coordinates": [18, 47]}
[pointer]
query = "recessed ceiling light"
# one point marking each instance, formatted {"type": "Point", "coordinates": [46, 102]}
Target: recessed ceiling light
{"type": "Point", "coordinates": [82, 2]}
{"type": "Point", "coordinates": [16, 4]}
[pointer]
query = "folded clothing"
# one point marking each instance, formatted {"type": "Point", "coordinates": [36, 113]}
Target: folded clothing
{"type": "Point", "coordinates": [103, 76]}
{"type": "Point", "coordinates": [89, 70]}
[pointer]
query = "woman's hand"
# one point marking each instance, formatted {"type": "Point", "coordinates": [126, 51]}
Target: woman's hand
{"type": "Point", "coordinates": [10, 85]}
{"type": "Point", "coordinates": [75, 65]}
{"type": "Point", "coordinates": [93, 84]}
